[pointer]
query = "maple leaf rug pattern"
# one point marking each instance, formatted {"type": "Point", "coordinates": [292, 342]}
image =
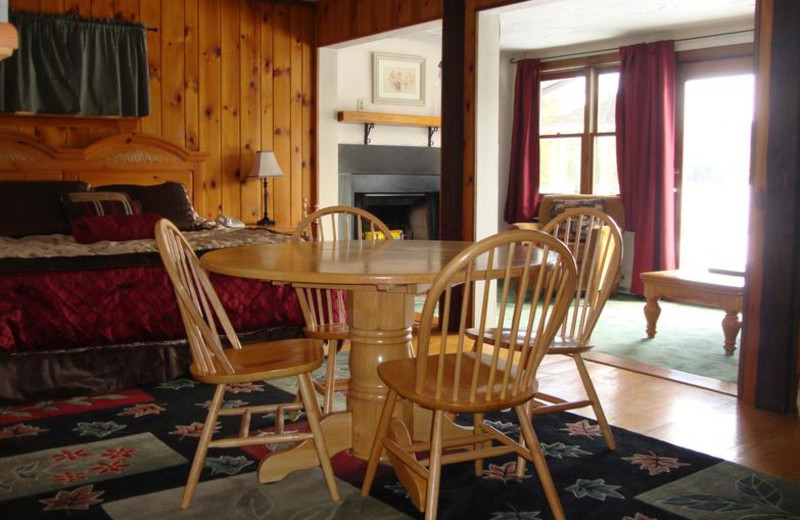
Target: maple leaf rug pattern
{"type": "Point", "coordinates": [126, 457]}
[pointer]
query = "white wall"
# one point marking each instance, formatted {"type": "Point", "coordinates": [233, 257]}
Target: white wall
{"type": "Point", "coordinates": [327, 128]}
{"type": "Point", "coordinates": [354, 82]}
{"type": "Point", "coordinates": [487, 135]}
{"type": "Point", "coordinates": [487, 132]}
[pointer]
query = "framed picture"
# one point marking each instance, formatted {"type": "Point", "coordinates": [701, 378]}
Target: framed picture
{"type": "Point", "coordinates": [398, 79]}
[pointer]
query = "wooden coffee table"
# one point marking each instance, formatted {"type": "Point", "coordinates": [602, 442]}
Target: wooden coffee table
{"type": "Point", "coordinates": [715, 290]}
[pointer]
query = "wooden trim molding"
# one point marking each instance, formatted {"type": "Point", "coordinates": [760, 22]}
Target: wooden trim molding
{"type": "Point", "coordinates": [127, 124]}
{"type": "Point", "coordinates": [769, 369]}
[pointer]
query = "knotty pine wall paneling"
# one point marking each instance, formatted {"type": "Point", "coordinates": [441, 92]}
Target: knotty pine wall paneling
{"type": "Point", "coordinates": [309, 191]}
{"type": "Point", "coordinates": [267, 87]}
{"type": "Point", "coordinates": [250, 113]}
{"type": "Point", "coordinates": [228, 78]}
{"type": "Point", "coordinates": [296, 106]}
{"type": "Point", "coordinates": [173, 69]}
{"type": "Point", "coordinates": [282, 117]}
{"type": "Point", "coordinates": [343, 20]}
{"type": "Point", "coordinates": [209, 16]}
{"type": "Point", "coordinates": [231, 132]}
{"type": "Point", "coordinates": [150, 15]}
{"type": "Point", "coordinates": [191, 94]}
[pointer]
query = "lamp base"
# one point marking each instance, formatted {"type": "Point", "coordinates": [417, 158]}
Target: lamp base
{"type": "Point", "coordinates": [266, 221]}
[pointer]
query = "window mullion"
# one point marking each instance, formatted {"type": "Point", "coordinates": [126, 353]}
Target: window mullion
{"type": "Point", "coordinates": [590, 116]}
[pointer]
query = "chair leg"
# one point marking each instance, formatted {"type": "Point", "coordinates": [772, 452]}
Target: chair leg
{"type": "Point", "coordinates": [434, 466]}
{"type": "Point", "coordinates": [377, 443]}
{"type": "Point", "coordinates": [477, 421]}
{"type": "Point", "coordinates": [537, 457]}
{"type": "Point", "coordinates": [521, 461]}
{"type": "Point", "coordinates": [312, 414]}
{"type": "Point", "coordinates": [592, 394]}
{"type": "Point", "coordinates": [202, 447]}
{"type": "Point", "coordinates": [330, 377]}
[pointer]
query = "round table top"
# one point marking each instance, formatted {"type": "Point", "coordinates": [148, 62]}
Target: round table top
{"type": "Point", "coordinates": [380, 263]}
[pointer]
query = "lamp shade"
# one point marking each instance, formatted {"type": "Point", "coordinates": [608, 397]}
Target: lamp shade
{"type": "Point", "coordinates": [265, 165]}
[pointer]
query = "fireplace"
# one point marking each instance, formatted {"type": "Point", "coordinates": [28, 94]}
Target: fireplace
{"type": "Point", "coordinates": [399, 184]}
{"type": "Point", "coordinates": [414, 213]}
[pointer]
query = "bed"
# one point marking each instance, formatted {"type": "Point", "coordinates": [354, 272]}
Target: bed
{"type": "Point", "coordinates": [81, 314]}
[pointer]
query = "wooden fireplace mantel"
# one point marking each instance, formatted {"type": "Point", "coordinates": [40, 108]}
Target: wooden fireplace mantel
{"type": "Point", "coordinates": [370, 119]}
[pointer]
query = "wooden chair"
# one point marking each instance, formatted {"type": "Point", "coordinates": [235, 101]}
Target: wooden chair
{"type": "Point", "coordinates": [201, 311]}
{"type": "Point", "coordinates": [595, 241]}
{"type": "Point", "coordinates": [458, 380]}
{"type": "Point", "coordinates": [324, 309]}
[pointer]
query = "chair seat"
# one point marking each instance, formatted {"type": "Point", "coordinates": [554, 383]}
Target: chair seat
{"type": "Point", "coordinates": [267, 360]}
{"type": "Point", "coordinates": [338, 331]}
{"type": "Point", "coordinates": [560, 345]}
{"type": "Point", "coordinates": [399, 376]}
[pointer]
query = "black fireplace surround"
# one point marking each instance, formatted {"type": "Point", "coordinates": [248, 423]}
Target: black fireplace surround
{"type": "Point", "coordinates": [399, 184]}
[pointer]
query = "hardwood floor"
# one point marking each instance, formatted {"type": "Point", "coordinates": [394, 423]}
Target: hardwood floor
{"type": "Point", "coordinates": [695, 418]}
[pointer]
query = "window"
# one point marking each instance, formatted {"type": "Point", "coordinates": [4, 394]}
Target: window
{"type": "Point", "coordinates": [577, 132]}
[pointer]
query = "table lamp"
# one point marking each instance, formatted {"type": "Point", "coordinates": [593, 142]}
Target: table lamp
{"type": "Point", "coordinates": [265, 166]}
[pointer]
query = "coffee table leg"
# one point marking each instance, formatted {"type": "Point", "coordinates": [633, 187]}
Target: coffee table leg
{"type": "Point", "coordinates": [651, 312]}
{"type": "Point", "coordinates": [730, 327]}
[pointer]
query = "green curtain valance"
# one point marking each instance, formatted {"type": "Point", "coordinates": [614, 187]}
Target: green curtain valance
{"type": "Point", "coordinates": [70, 65]}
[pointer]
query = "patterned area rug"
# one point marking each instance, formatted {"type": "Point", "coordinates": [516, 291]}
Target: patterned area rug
{"type": "Point", "coordinates": [125, 456]}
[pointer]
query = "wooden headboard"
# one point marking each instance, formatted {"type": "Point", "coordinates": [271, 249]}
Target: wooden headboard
{"type": "Point", "coordinates": [119, 159]}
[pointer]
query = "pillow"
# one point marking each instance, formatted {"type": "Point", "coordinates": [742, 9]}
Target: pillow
{"type": "Point", "coordinates": [91, 229]}
{"type": "Point", "coordinates": [34, 207]}
{"type": "Point", "coordinates": [90, 204]}
{"type": "Point", "coordinates": [169, 200]}
{"type": "Point", "coordinates": [558, 206]}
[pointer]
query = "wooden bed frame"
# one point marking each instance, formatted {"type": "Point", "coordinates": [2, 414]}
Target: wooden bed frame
{"type": "Point", "coordinates": [119, 159]}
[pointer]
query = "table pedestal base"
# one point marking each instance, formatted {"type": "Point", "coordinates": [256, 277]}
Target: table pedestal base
{"type": "Point", "coordinates": [336, 428]}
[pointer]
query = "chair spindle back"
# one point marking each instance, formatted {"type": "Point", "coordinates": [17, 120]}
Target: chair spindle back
{"type": "Point", "coordinates": [594, 239]}
{"type": "Point", "coordinates": [533, 263]}
{"type": "Point", "coordinates": [198, 302]}
{"type": "Point", "coordinates": [335, 223]}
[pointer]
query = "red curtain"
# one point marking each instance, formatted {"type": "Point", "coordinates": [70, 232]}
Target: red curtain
{"type": "Point", "coordinates": [522, 199]}
{"type": "Point", "coordinates": [645, 120]}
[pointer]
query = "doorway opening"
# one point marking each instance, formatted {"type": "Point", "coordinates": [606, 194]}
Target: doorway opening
{"type": "Point", "coordinates": [714, 176]}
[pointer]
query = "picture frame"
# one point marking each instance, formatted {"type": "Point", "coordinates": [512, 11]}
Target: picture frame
{"type": "Point", "coordinates": [398, 79]}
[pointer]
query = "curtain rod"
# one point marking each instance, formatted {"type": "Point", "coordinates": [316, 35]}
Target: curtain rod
{"type": "Point", "coordinates": [601, 51]}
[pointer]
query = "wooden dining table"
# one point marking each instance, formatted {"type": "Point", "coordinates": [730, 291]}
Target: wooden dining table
{"type": "Point", "coordinates": [382, 279]}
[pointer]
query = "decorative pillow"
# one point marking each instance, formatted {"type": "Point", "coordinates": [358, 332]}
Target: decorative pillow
{"type": "Point", "coordinates": [91, 229]}
{"type": "Point", "coordinates": [34, 207]}
{"type": "Point", "coordinates": [558, 206]}
{"type": "Point", "coordinates": [91, 204]}
{"type": "Point", "coordinates": [169, 199]}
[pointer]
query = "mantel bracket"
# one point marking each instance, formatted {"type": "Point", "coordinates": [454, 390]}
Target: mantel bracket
{"type": "Point", "coordinates": [367, 129]}
{"type": "Point", "coordinates": [431, 130]}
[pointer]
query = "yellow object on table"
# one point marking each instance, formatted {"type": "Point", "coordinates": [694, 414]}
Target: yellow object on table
{"type": "Point", "coordinates": [397, 234]}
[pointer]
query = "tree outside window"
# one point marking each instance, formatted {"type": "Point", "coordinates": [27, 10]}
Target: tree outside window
{"type": "Point", "coordinates": [577, 132]}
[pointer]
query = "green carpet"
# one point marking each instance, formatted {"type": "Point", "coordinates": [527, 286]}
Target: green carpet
{"type": "Point", "coordinates": [688, 338]}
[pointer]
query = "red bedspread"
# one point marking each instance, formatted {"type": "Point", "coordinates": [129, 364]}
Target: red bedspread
{"type": "Point", "coordinates": [42, 311]}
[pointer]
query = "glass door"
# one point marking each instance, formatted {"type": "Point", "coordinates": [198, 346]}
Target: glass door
{"type": "Point", "coordinates": [715, 171]}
